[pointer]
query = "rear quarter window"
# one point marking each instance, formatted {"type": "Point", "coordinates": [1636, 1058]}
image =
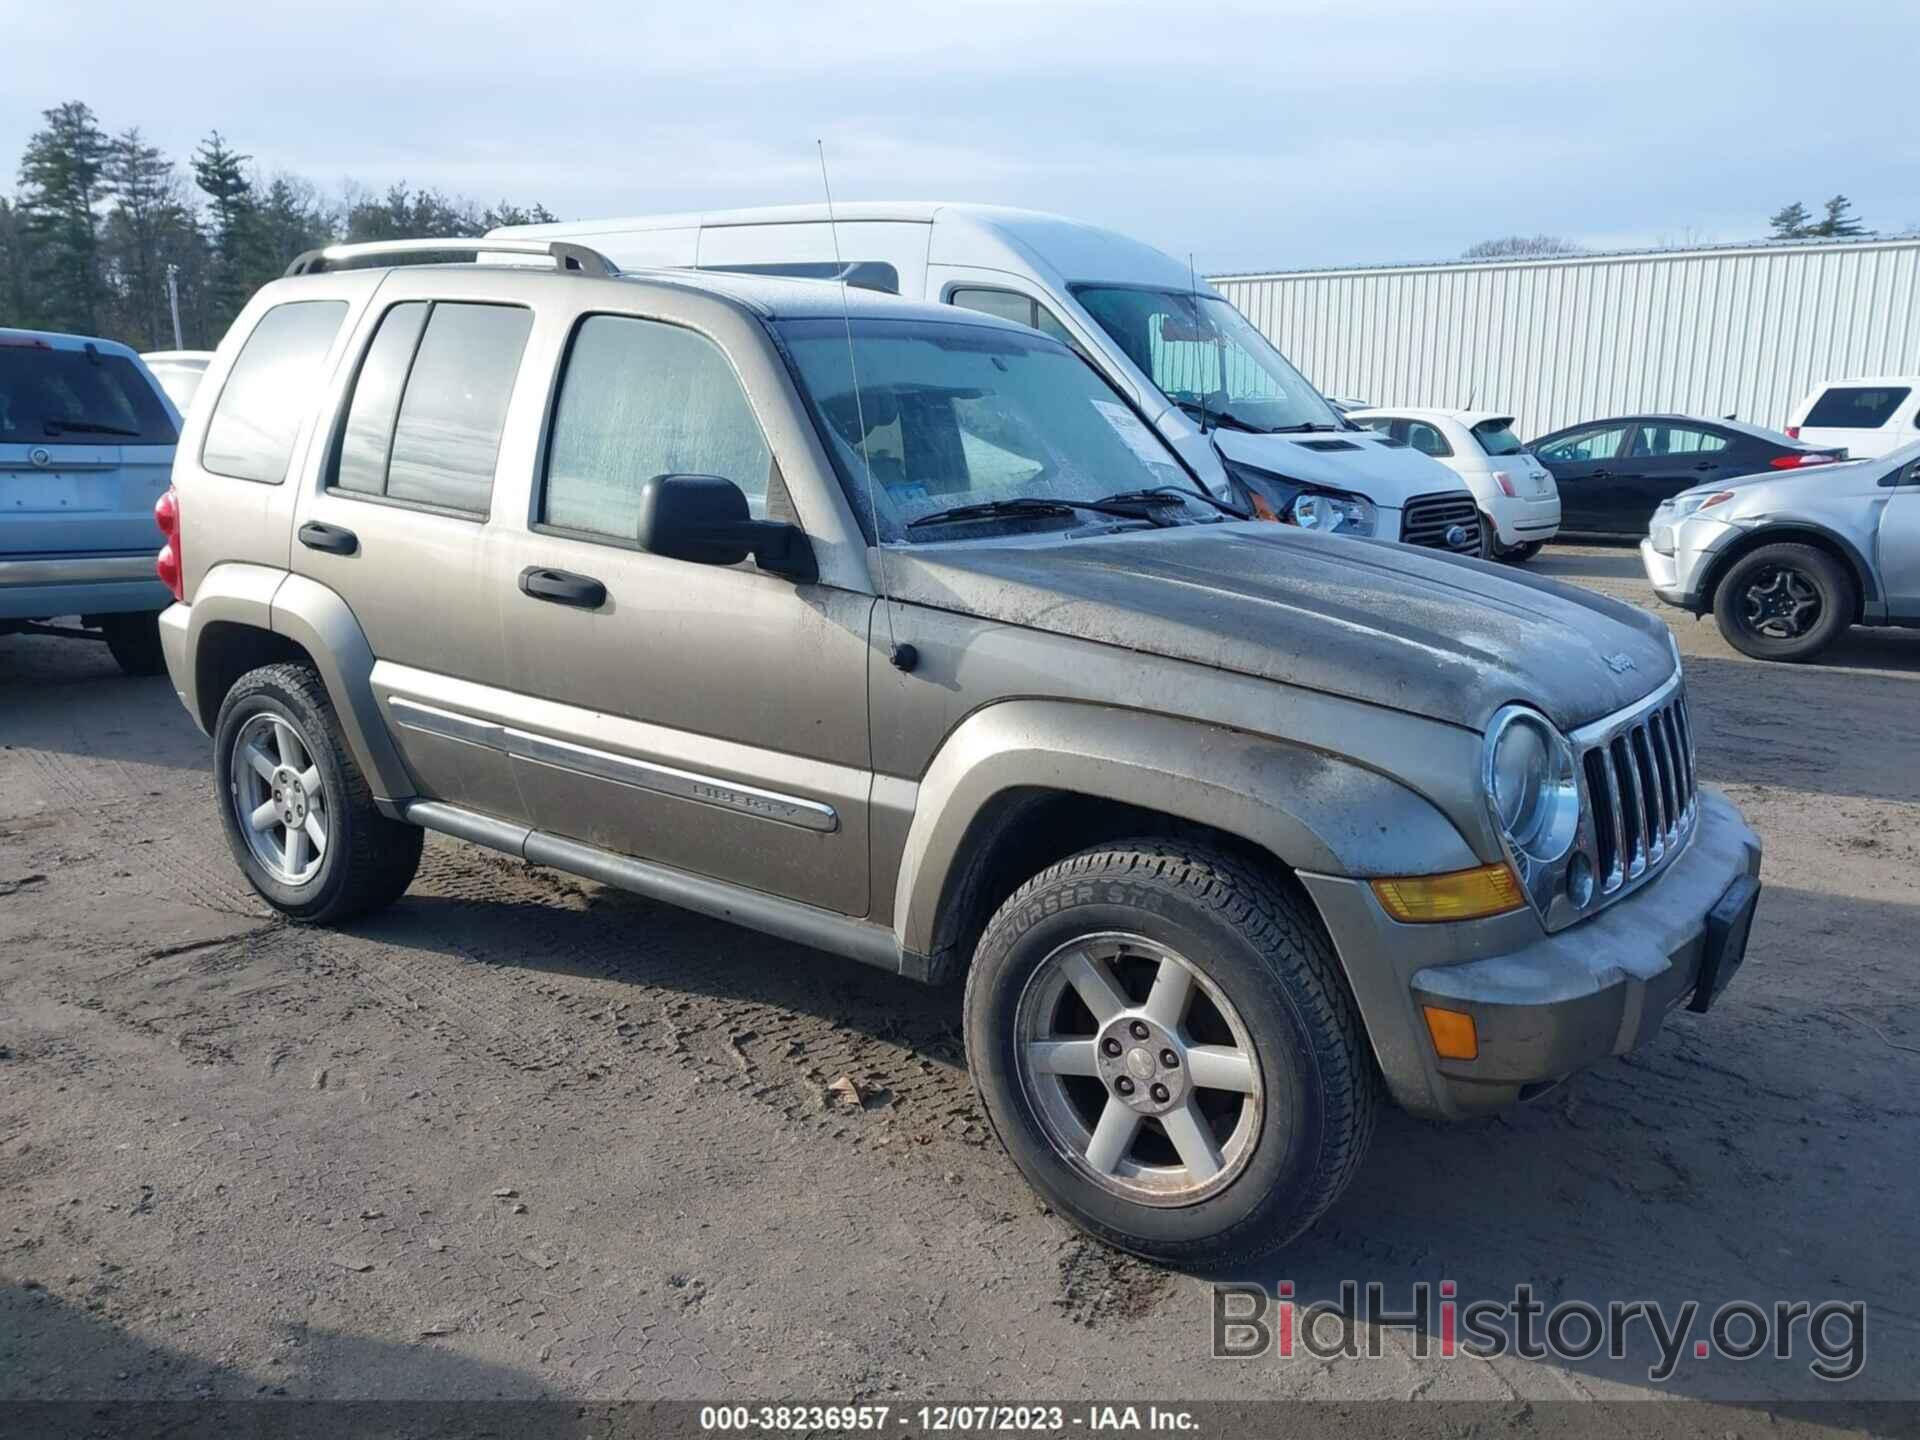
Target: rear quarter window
{"type": "Point", "coordinates": [271, 388]}
{"type": "Point", "coordinates": [1857, 407]}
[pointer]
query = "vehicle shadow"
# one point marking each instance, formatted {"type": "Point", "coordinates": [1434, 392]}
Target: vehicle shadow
{"type": "Point", "coordinates": [69, 697]}
{"type": "Point", "coordinates": [1612, 563]}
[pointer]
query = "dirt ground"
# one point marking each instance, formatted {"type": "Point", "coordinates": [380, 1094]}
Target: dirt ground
{"type": "Point", "coordinates": [524, 1136]}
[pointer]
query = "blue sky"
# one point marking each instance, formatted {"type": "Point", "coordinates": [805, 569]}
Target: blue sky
{"type": "Point", "coordinates": [1255, 136]}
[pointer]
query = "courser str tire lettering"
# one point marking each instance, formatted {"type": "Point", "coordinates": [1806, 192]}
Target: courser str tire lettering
{"type": "Point", "coordinates": [369, 860]}
{"type": "Point", "coordinates": [1258, 942]}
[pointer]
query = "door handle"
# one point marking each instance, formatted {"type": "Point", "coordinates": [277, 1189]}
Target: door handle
{"type": "Point", "coordinates": [334, 539]}
{"type": "Point", "coordinates": [1601, 475]}
{"type": "Point", "coordinates": [1708, 465]}
{"type": "Point", "coordinates": [562, 587]}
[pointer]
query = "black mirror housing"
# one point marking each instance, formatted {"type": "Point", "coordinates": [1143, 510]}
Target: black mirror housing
{"type": "Point", "coordinates": [704, 519]}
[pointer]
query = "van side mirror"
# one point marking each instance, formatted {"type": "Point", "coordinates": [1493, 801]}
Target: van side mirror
{"type": "Point", "coordinates": [704, 519]}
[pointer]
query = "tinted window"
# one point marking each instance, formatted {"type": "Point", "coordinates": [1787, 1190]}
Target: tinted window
{"type": "Point", "coordinates": [269, 391]}
{"type": "Point", "coordinates": [640, 399]}
{"type": "Point", "coordinates": [1496, 437]}
{"type": "Point", "coordinates": [1427, 439]}
{"type": "Point", "coordinates": [1653, 441]}
{"type": "Point", "coordinates": [362, 462]}
{"type": "Point", "coordinates": [438, 445]}
{"type": "Point", "coordinates": [1585, 445]}
{"type": "Point", "coordinates": [49, 395]}
{"type": "Point", "coordinates": [1857, 407]}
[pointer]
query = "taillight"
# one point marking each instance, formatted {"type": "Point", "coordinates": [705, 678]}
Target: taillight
{"type": "Point", "coordinates": [166, 514]}
{"type": "Point", "coordinates": [1793, 432]}
{"type": "Point", "coordinates": [1794, 462]}
{"type": "Point", "coordinates": [1505, 482]}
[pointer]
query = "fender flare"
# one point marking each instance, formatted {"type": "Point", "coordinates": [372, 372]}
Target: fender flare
{"type": "Point", "coordinates": [1784, 529]}
{"type": "Point", "coordinates": [1311, 810]}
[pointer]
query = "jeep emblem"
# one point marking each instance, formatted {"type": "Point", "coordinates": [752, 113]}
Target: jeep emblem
{"type": "Point", "coordinates": [39, 456]}
{"type": "Point", "coordinates": [1620, 664]}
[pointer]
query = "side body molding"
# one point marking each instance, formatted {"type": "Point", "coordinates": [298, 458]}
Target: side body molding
{"type": "Point", "coordinates": [1314, 811]}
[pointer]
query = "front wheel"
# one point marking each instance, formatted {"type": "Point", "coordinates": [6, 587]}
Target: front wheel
{"type": "Point", "coordinates": [1784, 602]}
{"type": "Point", "coordinates": [1162, 1040]}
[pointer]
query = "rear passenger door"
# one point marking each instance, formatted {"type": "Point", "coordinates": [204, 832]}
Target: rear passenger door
{"type": "Point", "coordinates": [1663, 458]}
{"type": "Point", "coordinates": [398, 522]}
{"type": "Point", "coordinates": [708, 718]}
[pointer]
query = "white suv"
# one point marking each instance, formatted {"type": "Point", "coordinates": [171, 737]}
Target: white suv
{"type": "Point", "coordinates": [1516, 494]}
{"type": "Point", "coordinates": [1873, 416]}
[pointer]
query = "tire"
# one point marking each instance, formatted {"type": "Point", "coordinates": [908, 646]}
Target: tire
{"type": "Point", "coordinates": [1489, 538]}
{"type": "Point", "coordinates": [1520, 554]}
{"type": "Point", "coordinates": [134, 641]}
{"type": "Point", "coordinates": [1802, 596]}
{"type": "Point", "coordinates": [1246, 938]}
{"type": "Point", "coordinates": [367, 860]}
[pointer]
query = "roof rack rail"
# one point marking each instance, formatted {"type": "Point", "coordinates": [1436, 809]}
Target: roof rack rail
{"type": "Point", "coordinates": [565, 254]}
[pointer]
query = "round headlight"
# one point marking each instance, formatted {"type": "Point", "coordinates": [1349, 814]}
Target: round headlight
{"type": "Point", "coordinates": [1530, 782]}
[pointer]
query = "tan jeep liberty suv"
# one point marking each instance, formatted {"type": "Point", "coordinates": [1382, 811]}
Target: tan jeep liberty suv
{"type": "Point", "coordinates": [892, 629]}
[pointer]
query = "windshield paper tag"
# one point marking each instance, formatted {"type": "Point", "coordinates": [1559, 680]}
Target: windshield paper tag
{"type": "Point", "coordinates": [1140, 440]}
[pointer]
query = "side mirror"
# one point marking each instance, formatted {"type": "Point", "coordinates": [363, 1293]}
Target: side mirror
{"type": "Point", "coordinates": [704, 519]}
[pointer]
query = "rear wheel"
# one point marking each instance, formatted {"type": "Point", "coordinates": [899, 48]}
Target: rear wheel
{"type": "Point", "coordinates": [299, 816]}
{"type": "Point", "coordinates": [134, 641]}
{"type": "Point", "coordinates": [1163, 1043]}
{"type": "Point", "coordinates": [1520, 554]}
{"type": "Point", "coordinates": [1784, 602]}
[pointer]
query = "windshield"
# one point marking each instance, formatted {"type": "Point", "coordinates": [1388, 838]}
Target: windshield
{"type": "Point", "coordinates": [1496, 437]}
{"type": "Point", "coordinates": [959, 414]}
{"type": "Point", "coordinates": [77, 397]}
{"type": "Point", "coordinates": [1202, 353]}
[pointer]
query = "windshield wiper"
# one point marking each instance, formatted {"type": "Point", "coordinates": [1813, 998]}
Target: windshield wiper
{"type": "Point", "coordinates": [87, 427]}
{"type": "Point", "coordinates": [1305, 427]}
{"type": "Point", "coordinates": [1172, 492]}
{"type": "Point", "coordinates": [1216, 419]}
{"type": "Point", "coordinates": [1023, 506]}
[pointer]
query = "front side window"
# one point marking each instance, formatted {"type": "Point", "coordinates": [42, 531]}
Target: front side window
{"type": "Point", "coordinates": [1654, 441]}
{"type": "Point", "coordinates": [72, 396]}
{"type": "Point", "coordinates": [1206, 357]}
{"type": "Point", "coordinates": [1857, 407]}
{"type": "Point", "coordinates": [1496, 437]}
{"type": "Point", "coordinates": [1010, 305]}
{"type": "Point", "coordinates": [1585, 445]}
{"type": "Point", "coordinates": [949, 415]}
{"type": "Point", "coordinates": [429, 405]}
{"type": "Point", "coordinates": [640, 398]}
{"type": "Point", "coordinates": [272, 386]}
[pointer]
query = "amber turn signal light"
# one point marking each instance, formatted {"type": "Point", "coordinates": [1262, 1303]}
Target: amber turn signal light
{"type": "Point", "coordinates": [1457, 895]}
{"type": "Point", "coordinates": [1453, 1034]}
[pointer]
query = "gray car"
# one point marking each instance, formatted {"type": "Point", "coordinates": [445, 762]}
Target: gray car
{"type": "Point", "coordinates": [1787, 562]}
{"type": "Point", "coordinates": [893, 630]}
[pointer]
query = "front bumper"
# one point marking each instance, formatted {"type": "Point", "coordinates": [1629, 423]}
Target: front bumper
{"type": "Point", "coordinates": [1544, 1006]}
{"type": "Point", "coordinates": [1676, 556]}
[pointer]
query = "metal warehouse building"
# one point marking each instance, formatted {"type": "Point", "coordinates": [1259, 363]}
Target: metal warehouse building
{"type": "Point", "coordinates": [1740, 330]}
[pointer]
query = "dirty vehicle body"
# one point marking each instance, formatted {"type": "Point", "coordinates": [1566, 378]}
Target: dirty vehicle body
{"type": "Point", "coordinates": [86, 447]}
{"type": "Point", "coordinates": [953, 672]}
{"type": "Point", "coordinates": [1785, 563]}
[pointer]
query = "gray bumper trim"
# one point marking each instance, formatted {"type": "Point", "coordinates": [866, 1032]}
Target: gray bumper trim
{"type": "Point", "coordinates": [78, 569]}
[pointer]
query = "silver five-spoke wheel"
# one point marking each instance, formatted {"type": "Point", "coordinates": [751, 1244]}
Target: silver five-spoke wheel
{"type": "Point", "coordinates": [1140, 1069]}
{"type": "Point", "coordinates": [280, 798]}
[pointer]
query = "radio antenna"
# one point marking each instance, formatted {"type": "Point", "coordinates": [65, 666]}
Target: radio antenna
{"type": "Point", "coordinates": [902, 657]}
{"type": "Point", "coordinates": [1193, 292]}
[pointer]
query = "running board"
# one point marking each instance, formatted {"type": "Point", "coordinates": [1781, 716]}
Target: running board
{"type": "Point", "coordinates": [860, 940]}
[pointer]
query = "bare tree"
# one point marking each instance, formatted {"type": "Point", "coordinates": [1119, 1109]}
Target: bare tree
{"type": "Point", "coordinates": [1520, 247]}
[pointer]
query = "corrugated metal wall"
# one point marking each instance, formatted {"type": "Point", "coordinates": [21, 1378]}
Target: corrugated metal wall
{"type": "Point", "coordinates": [1734, 330]}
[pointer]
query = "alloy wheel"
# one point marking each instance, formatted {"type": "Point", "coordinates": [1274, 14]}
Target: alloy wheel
{"type": "Point", "coordinates": [1140, 1069]}
{"type": "Point", "coordinates": [1780, 603]}
{"type": "Point", "coordinates": [280, 798]}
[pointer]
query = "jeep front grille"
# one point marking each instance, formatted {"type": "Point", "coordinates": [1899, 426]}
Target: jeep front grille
{"type": "Point", "coordinates": [1429, 519]}
{"type": "Point", "coordinates": [1640, 789]}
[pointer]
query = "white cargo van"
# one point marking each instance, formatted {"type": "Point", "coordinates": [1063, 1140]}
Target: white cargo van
{"type": "Point", "coordinates": [1223, 396]}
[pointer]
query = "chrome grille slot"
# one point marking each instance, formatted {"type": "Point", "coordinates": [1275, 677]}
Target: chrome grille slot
{"type": "Point", "coordinates": [1641, 792]}
{"type": "Point", "coordinates": [1427, 519]}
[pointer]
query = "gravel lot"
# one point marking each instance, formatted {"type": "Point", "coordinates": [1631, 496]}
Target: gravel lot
{"type": "Point", "coordinates": [524, 1136]}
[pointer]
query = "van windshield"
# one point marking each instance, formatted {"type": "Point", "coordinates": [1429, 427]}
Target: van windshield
{"type": "Point", "coordinates": [71, 396]}
{"type": "Point", "coordinates": [1207, 358]}
{"type": "Point", "coordinates": [950, 415]}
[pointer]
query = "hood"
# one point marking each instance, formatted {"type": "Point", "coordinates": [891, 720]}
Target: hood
{"type": "Point", "coordinates": [1357, 460]}
{"type": "Point", "coordinates": [1387, 624]}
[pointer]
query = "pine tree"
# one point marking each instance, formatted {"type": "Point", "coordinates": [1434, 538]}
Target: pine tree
{"type": "Point", "coordinates": [13, 267]}
{"type": "Point", "coordinates": [1791, 222]}
{"type": "Point", "coordinates": [140, 179]}
{"type": "Point", "coordinates": [221, 173]}
{"type": "Point", "coordinates": [1839, 221]}
{"type": "Point", "coordinates": [61, 183]}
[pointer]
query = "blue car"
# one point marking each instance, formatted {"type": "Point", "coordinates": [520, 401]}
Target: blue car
{"type": "Point", "coordinates": [86, 449]}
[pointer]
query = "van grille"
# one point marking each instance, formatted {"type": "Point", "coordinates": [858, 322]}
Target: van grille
{"type": "Point", "coordinates": [1427, 519]}
{"type": "Point", "coordinates": [1641, 788]}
